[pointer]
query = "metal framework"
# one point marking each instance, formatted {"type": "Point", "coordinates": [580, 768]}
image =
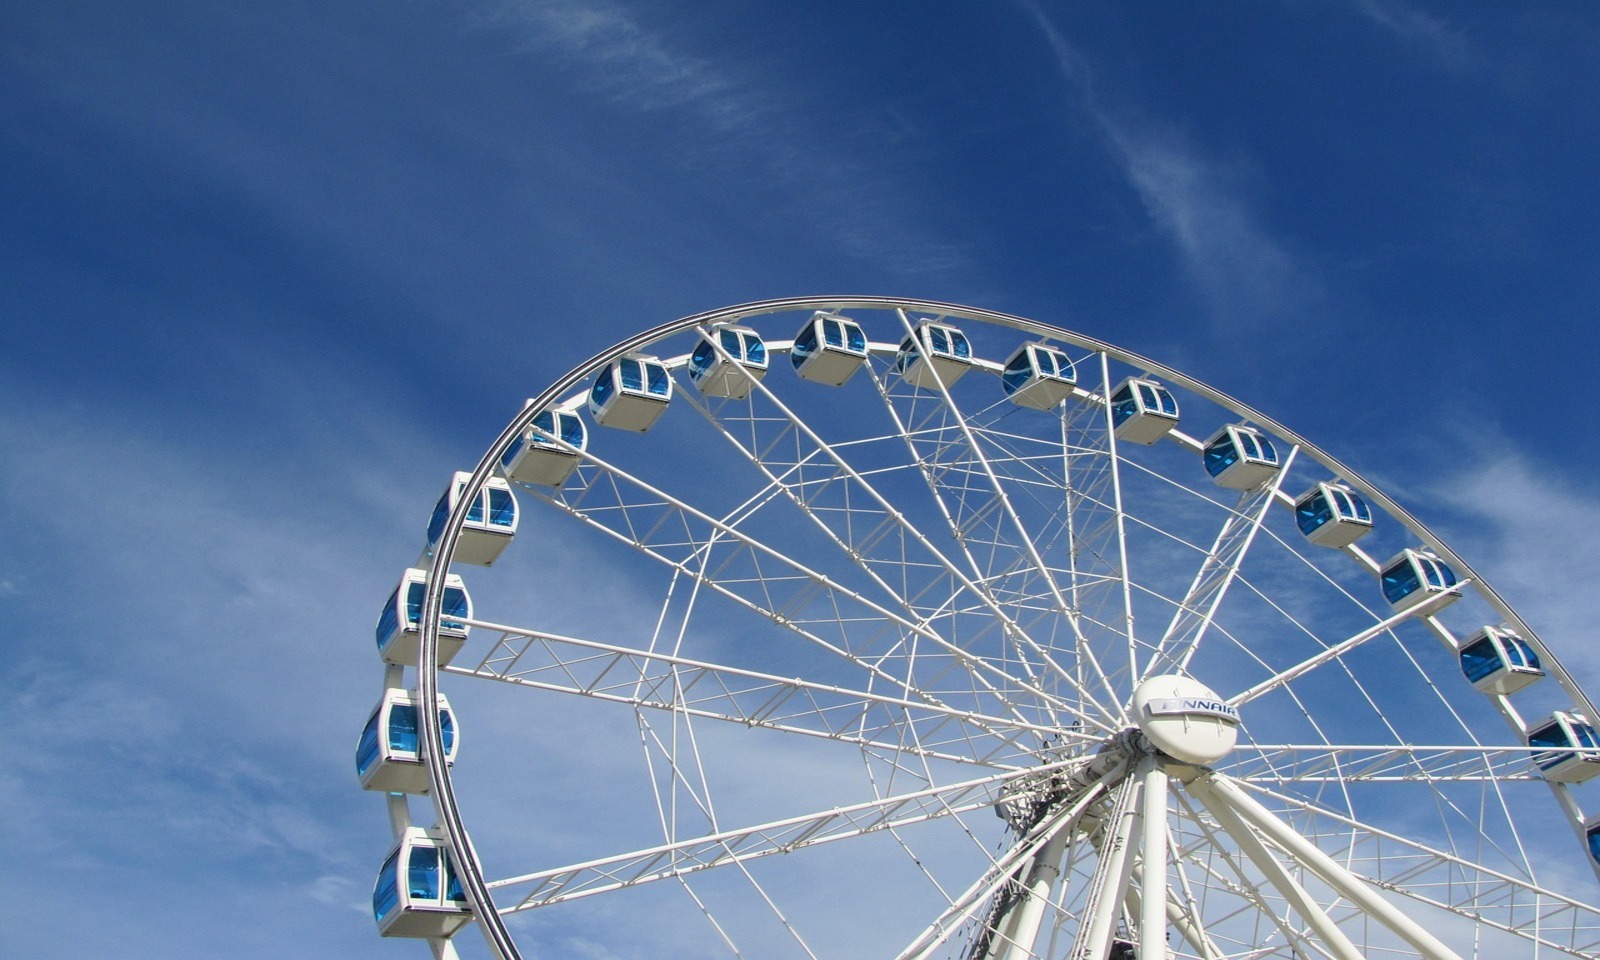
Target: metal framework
{"type": "Point", "coordinates": [848, 625]}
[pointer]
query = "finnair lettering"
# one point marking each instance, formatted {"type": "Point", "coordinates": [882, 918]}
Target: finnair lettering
{"type": "Point", "coordinates": [1192, 706]}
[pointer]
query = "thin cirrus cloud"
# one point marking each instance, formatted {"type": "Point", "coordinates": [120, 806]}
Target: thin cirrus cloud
{"type": "Point", "coordinates": [1246, 277]}
{"type": "Point", "coordinates": [736, 123]}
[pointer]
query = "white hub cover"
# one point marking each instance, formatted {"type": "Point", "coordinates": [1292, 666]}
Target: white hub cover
{"type": "Point", "coordinates": [1184, 719]}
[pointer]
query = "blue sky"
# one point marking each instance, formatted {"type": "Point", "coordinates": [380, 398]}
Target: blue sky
{"type": "Point", "coordinates": [270, 271]}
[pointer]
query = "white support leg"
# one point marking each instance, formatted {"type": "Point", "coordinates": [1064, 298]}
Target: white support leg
{"type": "Point", "coordinates": [1153, 888]}
{"type": "Point", "coordinates": [1331, 937]}
{"type": "Point", "coordinates": [1020, 931]}
{"type": "Point", "coordinates": [1348, 885]}
{"type": "Point", "coordinates": [1110, 884]}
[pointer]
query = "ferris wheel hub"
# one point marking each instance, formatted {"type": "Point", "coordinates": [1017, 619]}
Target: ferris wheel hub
{"type": "Point", "coordinates": [1185, 719]}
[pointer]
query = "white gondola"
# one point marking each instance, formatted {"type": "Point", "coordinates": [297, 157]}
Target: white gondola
{"type": "Point", "coordinates": [1332, 515]}
{"type": "Point", "coordinates": [733, 375]}
{"type": "Point", "coordinates": [1498, 661]}
{"type": "Point", "coordinates": [418, 893]}
{"type": "Point", "coordinates": [1142, 411]}
{"type": "Point", "coordinates": [1038, 376]}
{"type": "Point", "coordinates": [1412, 577]}
{"type": "Point", "coordinates": [398, 638]}
{"type": "Point", "coordinates": [490, 524]}
{"type": "Point", "coordinates": [829, 349]}
{"type": "Point", "coordinates": [548, 451]}
{"type": "Point", "coordinates": [389, 753]}
{"type": "Point", "coordinates": [1241, 458]}
{"type": "Point", "coordinates": [944, 356]}
{"type": "Point", "coordinates": [1572, 752]}
{"type": "Point", "coordinates": [631, 393]}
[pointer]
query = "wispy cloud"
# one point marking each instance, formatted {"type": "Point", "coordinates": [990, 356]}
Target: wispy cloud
{"type": "Point", "coordinates": [1421, 30]}
{"type": "Point", "coordinates": [1245, 274]}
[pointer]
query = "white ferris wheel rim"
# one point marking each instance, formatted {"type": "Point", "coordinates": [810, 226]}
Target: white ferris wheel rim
{"type": "Point", "coordinates": [477, 885]}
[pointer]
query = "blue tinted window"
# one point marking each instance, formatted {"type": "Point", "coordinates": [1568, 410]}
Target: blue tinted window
{"type": "Point", "coordinates": [422, 873]}
{"type": "Point", "coordinates": [1312, 513]}
{"type": "Point", "coordinates": [1265, 450]}
{"type": "Point", "coordinates": [455, 604]}
{"type": "Point", "coordinates": [1400, 581]}
{"type": "Point", "coordinates": [959, 345]}
{"type": "Point", "coordinates": [1522, 651]}
{"type": "Point", "coordinates": [1594, 843]}
{"type": "Point", "coordinates": [632, 377]}
{"type": "Point", "coordinates": [1017, 373]}
{"type": "Point", "coordinates": [502, 508]}
{"type": "Point", "coordinates": [938, 342]}
{"type": "Point", "coordinates": [389, 619]}
{"type": "Point", "coordinates": [511, 452]}
{"type": "Point", "coordinates": [806, 343]}
{"type": "Point", "coordinates": [602, 388]}
{"type": "Point", "coordinates": [701, 359]}
{"type": "Point", "coordinates": [1123, 405]}
{"type": "Point", "coordinates": [730, 343]}
{"type": "Point", "coordinates": [572, 429]}
{"type": "Point", "coordinates": [754, 350]}
{"type": "Point", "coordinates": [403, 728]}
{"type": "Point", "coordinates": [832, 334]}
{"type": "Point", "coordinates": [441, 513]}
{"type": "Point", "coordinates": [416, 590]}
{"type": "Point", "coordinates": [386, 892]}
{"type": "Point", "coordinates": [658, 380]}
{"type": "Point", "coordinates": [453, 891]}
{"type": "Point", "coordinates": [447, 730]}
{"type": "Point", "coordinates": [1585, 736]}
{"type": "Point", "coordinates": [1220, 455]}
{"type": "Point", "coordinates": [855, 339]}
{"type": "Point", "coordinates": [474, 509]}
{"type": "Point", "coordinates": [367, 747]}
{"type": "Point", "coordinates": [1480, 659]}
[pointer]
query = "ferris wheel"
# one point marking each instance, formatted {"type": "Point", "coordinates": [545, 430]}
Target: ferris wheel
{"type": "Point", "coordinates": [867, 627]}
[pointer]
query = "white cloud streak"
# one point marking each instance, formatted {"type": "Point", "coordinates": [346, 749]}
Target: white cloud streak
{"type": "Point", "coordinates": [1245, 275]}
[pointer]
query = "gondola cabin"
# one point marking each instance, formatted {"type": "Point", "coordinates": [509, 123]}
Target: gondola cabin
{"type": "Point", "coordinates": [389, 753]}
{"type": "Point", "coordinates": [1413, 577]}
{"type": "Point", "coordinates": [490, 524]}
{"type": "Point", "coordinates": [548, 451]}
{"type": "Point", "coordinates": [630, 393]}
{"type": "Point", "coordinates": [1332, 515]}
{"type": "Point", "coordinates": [732, 370]}
{"type": "Point", "coordinates": [1572, 748]}
{"type": "Point", "coordinates": [418, 893]}
{"type": "Point", "coordinates": [1241, 458]}
{"type": "Point", "coordinates": [1142, 411]}
{"type": "Point", "coordinates": [1498, 661]}
{"type": "Point", "coordinates": [1038, 376]}
{"type": "Point", "coordinates": [829, 349]}
{"type": "Point", "coordinates": [398, 637]}
{"type": "Point", "coordinates": [935, 353]}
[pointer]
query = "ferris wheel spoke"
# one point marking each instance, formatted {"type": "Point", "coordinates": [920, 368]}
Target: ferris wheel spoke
{"type": "Point", "coordinates": [758, 576]}
{"type": "Point", "coordinates": [977, 512]}
{"type": "Point", "coordinates": [876, 537]}
{"type": "Point", "coordinates": [1218, 569]}
{"type": "Point", "coordinates": [737, 846]}
{"type": "Point", "coordinates": [649, 680]}
{"type": "Point", "coordinates": [1313, 763]}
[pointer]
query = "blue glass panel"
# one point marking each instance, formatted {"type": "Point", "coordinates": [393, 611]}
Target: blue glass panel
{"type": "Point", "coordinates": [455, 605]}
{"type": "Point", "coordinates": [511, 453]}
{"type": "Point", "coordinates": [403, 728]}
{"type": "Point", "coordinates": [754, 350]}
{"type": "Point", "coordinates": [701, 359]}
{"type": "Point", "coordinates": [422, 873]}
{"type": "Point", "coordinates": [502, 508]}
{"type": "Point", "coordinates": [603, 388]}
{"type": "Point", "coordinates": [658, 380]}
{"type": "Point", "coordinates": [959, 345]}
{"type": "Point", "coordinates": [441, 513]}
{"type": "Point", "coordinates": [938, 342]}
{"type": "Point", "coordinates": [905, 357]}
{"type": "Point", "coordinates": [1167, 404]}
{"type": "Point", "coordinates": [447, 729]}
{"type": "Point", "coordinates": [1594, 843]}
{"type": "Point", "coordinates": [572, 429]}
{"type": "Point", "coordinates": [1123, 405]}
{"type": "Point", "coordinates": [1017, 373]}
{"type": "Point", "coordinates": [452, 890]}
{"type": "Point", "coordinates": [474, 509]}
{"type": "Point", "coordinates": [1400, 581]}
{"type": "Point", "coordinates": [1220, 455]}
{"type": "Point", "coordinates": [1550, 735]}
{"type": "Point", "coordinates": [386, 891]}
{"type": "Point", "coordinates": [1148, 398]}
{"type": "Point", "coordinates": [389, 620]}
{"type": "Point", "coordinates": [1266, 451]}
{"type": "Point", "coordinates": [832, 334]}
{"type": "Point", "coordinates": [1312, 513]}
{"type": "Point", "coordinates": [367, 746]}
{"type": "Point", "coordinates": [1480, 659]}
{"type": "Point", "coordinates": [632, 376]}
{"type": "Point", "coordinates": [1585, 736]}
{"type": "Point", "coordinates": [416, 590]}
{"type": "Point", "coordinates": [544, 421]}
{"type": "Point", "coordinates": [730, 343]}
{"type": "Point", "coordinates": [855, 339]}
{"type": "Point", "coordinates": [1362, 513]}
{"type": "Point", "coordinates": [1522, 650]}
